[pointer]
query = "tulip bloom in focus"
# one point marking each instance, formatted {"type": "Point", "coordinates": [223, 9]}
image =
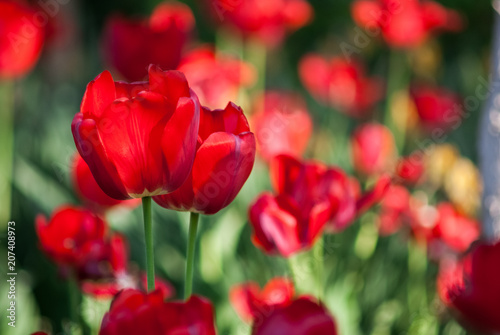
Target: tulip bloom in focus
{"type": "Point", "coordinates": [405, 24]}
{"type": "Point", "coordinates": [135, 312]}
{"type": "Point", "coordinates": [439, 110]}
{"type": "Point", "coordinates": [373, 149]}
{"type": "Point", "coordinates": [223, 162]}
{"type": "Point", "coordinates": [266, 20]}
{"type": "Point", "coordinates": [251, 303]}
{"type": "Point", "coordinates": [341, 84]}
{"type": "Point", "coordinates": [303, 316]}
{"type": "Point", "coordinates": [79, 243]}
{"type": "Point", "coordinates": [216, 79]}
{"type": "Point", "coordinates": [89, 191]}
{"type": "Point", "coordinates": [282, 125]}
{"type": "Point", "coordinates": [138, 139]}
{"type": "Point", "coordinates": [130, 45]}
{"type": "Point", "coordinates": [21, 39]}
{"type": "Point", "coordinates": [474, 293]}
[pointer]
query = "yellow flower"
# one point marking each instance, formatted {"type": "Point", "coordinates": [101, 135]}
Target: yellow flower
{"type": "Point", "coordinates": [438, 163]}
{"type": "Point", "coordinates": [463, 186]}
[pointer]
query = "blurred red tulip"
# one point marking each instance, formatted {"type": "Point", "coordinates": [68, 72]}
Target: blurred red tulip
{"type": "Point", "coordinates": [130, 45]}
{"type": "Point", "coordinates": [410, 169]}
{"type": "Point", "coordinates": [394, 210]}
{"type": "Point", "coordinates": [437, 108]}
{"type": "Point", "coordinates": [216, 79]}
{"type": "Point", "coordinates": [138, 139]}
{"type": "Point", "coordinates": [341, 84]}
{"type": "Point", "coordinates": [303, 316]}
{"type": "Point", "coordinates": [404, 24]}
{"type": "Point", "coordinates": [282, 125]}
{"type": "Point", "coordinates": [451, 277]}
{"type": "Point", "coordinates": [456, 230]}
{"type": "Point", "coordinates": [373, 149]}
{"type": "Point", "coordinates": [251, 303]}
{"type": "Point", "coordinates": [267, 20]}
{"type": "Point", "coordinates": [309, 196]}
{"type": "Point", "coordinates": [21, 39]}
{"type": "Point", "coordinates": [374, 195]}
{"type": "Point", "coordinates": [223, 162]}
{"type": "Point", "coordinates": [89, 191]}
{"type": "Point", "coordinates": [77, 240]}
{"type": "Point", "coordinates": [134, 312]}
{"type": "Point", "coordinates": [476, 294]}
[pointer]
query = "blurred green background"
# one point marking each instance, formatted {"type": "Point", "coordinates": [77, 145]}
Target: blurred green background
{"type": "Point", "coordinates": [375, 284]}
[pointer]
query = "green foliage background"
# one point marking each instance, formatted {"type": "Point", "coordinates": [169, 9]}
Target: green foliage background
{"type": "Point", "coordinates": [375, 285]}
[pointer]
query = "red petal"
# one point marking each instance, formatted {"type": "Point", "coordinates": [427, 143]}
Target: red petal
{"type": "Point", "coordinates": [221, 167]}
{"type": "Point", "coordinates": [178, 141]}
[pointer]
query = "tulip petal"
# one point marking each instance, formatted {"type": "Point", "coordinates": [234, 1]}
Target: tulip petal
{"type": "Point", "coordinates": [171, 84]}
{"type": "Point", "coordinates": [221, 167]}
{"type": "Point", "coordinates": [133, 138]}
{"type": "Point", "coordinates": [178, 141]}
{"type": "Point", "coordinates": [274, 227]}
{"type": "Point", "coordinates": [99, 94]}
{"type": "Point", "coordinates": [89, 144]}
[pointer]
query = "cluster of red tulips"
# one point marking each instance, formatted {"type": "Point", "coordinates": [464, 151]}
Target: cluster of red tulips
{"type": "Point", "coordinates": [173, 134]}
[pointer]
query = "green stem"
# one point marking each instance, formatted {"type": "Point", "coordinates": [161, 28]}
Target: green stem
{"type": "Point", "coordinates": [319, 261]}
{"type": "Point", "coordinates": [397, 79]}
{"type": "Point", "coordinates": [193, 228]}
{"type": "Point", "coordinates": [417, 267]}
{"type": "Point", "coordinates": [148, 235]}
{"type": "Point", "coordinates": [74, 300]}
{"type": "Point", "coordinates": [294, 265]}
{"type": "Point", "coordinates": [6, 149]}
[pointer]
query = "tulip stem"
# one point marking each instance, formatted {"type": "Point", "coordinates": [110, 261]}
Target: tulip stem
{"type": "Point", "coordinates": [319, 259]}
{"type": "Point", "coordinates": [193, 228]}
{"type": "Point", "coordinates": [148, 234]}
{"type": "Point", "coordinates": [294, 267]}
{"type": "Point", "coordinates": [75, 298]}
{"type": "Point", "coordinates": [6, 149]}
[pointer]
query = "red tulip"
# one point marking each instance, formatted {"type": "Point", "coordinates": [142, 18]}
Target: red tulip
{"type": "Point", "coordinates": [437, 108]}
{"type": "Point", "coordinates": [107, 289]}
{"type": "Point", "coordinates": [373, 149]}
{"type": "Point", "coordinates": [374, 195]}
{"type": "Point", "coordinates": [302, 317]}
{"type": "Point", "coordinates": [267, 20]}
{"type": "Point", "coordinates": [89, 191]}
{"type": "Point", "coordinates": [308, 196]}
{"type": "Point", "coordinates": [130, 45]}
{"type": "Point", "coordinates": [134, 312]}
{"type": "Point", "coordinates": [475, 295]}
{"type": "Point", "coordinates": [216, 78]}
{"type": "Point", "coordinates": [410, 169]}
{"type": "Point", "coordinates": [77, 240]}
{"type": "Point", "coordinates": [251, 303]}
{"type": "Point", "coordinates": [282, 125]}
{"type": "Point", "coordinates": [21, 39]}
{"type": "Point", "coordinates": [341, 84]}
{"type": "Point", "coordinates": [394, 210]}
{"type": "Point", "coordinates": [224, 160]}
{"type": "Point", "coordinates": [456, 230]}
{"type": "Point", "coordinates": [404, 24]}
{"type": "Point", "coordinates": [138, 139]}
{"type": "Point", "coordinates": [451, 276]}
